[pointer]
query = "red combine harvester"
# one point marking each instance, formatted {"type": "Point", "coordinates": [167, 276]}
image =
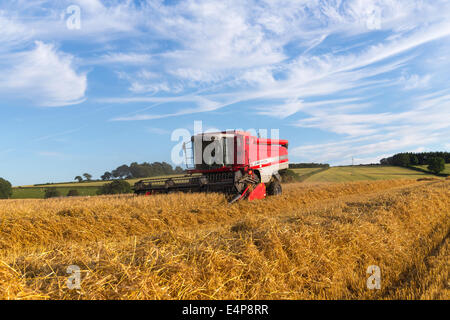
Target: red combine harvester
{"type": "Point", "coordinates": [235, 163]}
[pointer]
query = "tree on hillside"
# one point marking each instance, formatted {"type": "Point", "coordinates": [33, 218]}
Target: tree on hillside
{"type": "Point", "coordinates": [115, 187]}
{"type": "Point", "coordinates": [179, 169]}
{"type": "Point", "coordinates": [402, 160]}
{"type": "Point", "coordinates": [87, 176]}
{"type": "Point", "coordinates": [80, 179]}
{"type": "Point", "coordinates": [143, 170]}
{"type": "Point", "coordinates": [122, 172]}
{"type": "Point", "coordinates": [106, 176]}
{"type": "Point", "coordinates": [5, 189]}
{"type": "Point", "coordinates": [414, 160]}
{"type": "Point", "coordinates": [436, 165]}
{"type": "Point", "coordinates": [137, 171]}
{"type": "Point", "coordinates": [52, 193]}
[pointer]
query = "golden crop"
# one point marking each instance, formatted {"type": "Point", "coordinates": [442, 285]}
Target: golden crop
{"type": "Point", "coordinates": [313, 242]}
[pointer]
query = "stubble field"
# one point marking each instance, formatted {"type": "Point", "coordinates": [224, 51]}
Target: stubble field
{"type": "Point", "coordinates": [316, 241]}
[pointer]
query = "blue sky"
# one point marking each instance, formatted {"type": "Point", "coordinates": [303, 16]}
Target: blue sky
{"type": "Point", "coordinates": [339, 79]}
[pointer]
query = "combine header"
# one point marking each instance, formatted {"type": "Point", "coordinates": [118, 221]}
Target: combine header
{"type": "Point", "coordinates": [235, 163]}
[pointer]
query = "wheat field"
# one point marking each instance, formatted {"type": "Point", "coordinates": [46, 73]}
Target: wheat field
{"type": "Point", "coordinates": [315, 241]}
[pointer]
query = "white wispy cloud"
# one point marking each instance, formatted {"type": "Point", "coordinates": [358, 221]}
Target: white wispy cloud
{"type": "Point", "coordinates": [158, 131]}
{"type": "Point", "coordinates": [12, 32]}
{"type": "Point", "coordinates": [128, 58]}
{"type": "Point", "coordinates": [51, 154]}
{"type": "Point", "coordinates": [55, 135]}
{"type": "Point", "coordinates": [236, 50]}
{"type": "Point", "coordinates": [46, 75]}
{"type": "Point", "coordinates": [414, 81]}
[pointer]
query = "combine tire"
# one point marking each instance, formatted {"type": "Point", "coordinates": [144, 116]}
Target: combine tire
{"type": "Point", "coordinates": [274, 189]}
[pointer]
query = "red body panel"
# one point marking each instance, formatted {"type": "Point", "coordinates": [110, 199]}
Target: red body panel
{"type": "Point", "coordinates": [252, 152]}
{"type": "Point", "coordinates": [258, 193]}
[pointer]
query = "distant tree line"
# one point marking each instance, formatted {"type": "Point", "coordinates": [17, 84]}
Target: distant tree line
{"type": "Point", "coordinates": [308, 165]}
{"type": "Point", "coordinates": [134, 171]}
{"type": "Point", "coordinates": [414, 159]}
{"type": "Point", "coordinates": [143, 170]}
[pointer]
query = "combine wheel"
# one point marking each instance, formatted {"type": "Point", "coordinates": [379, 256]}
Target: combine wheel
{"type": "Point", "coordinates": [274, 188]}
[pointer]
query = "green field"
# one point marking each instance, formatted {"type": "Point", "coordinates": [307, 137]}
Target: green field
{"type": "Point", "coordinates": [355, 173]}
{"type": "Point", "coordinates": [38, 192]}
{"type": "Point", "coordinates": [82, 184]}
{"type": "Point", "coordinates": [83, 188]}
{"type": "Point", "coordinates": [89, 183]}
{"type": "Point", "coordinates": [303, 171]}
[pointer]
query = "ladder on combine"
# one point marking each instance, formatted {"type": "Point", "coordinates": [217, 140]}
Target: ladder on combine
{"type": "Point", "coordinates": [188, 158]}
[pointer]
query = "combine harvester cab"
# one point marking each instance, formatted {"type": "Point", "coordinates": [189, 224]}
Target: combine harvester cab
{"type": "Point", "coordinates": [235, 163]}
